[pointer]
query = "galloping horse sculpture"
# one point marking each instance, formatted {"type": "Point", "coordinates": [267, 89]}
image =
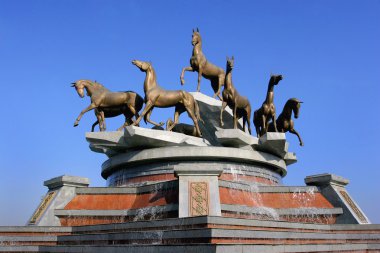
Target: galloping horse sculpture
{"type": "Point", "coordinates": [240, 105]}
{"type": "Point", "coordinates": [284, 120]}
{"type": "Point", "coordinates": [199, 63]}
{"type": "Point", "coordinates": [155, 96]}
{"type": "Point", "coordinates": [107, 103]}
{"type": "Point", "coordinates": [267, 111]}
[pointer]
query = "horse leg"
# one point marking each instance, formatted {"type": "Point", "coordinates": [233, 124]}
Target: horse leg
{"type": "Point", "coordinates": [97, 120]}
{"type": "Point", "coordinates": [148, 106]}
{"type": "Point", "coordinates": [136, 117]}
{"type": "Point", "coordinates": [224, 104]}
{"type": "Point", "coordinates": [220, 84]}
{"type": "Point", "coordinates": [199, 79]}
{"type": "Point", "coordinates": [190, 108]}
{"type": "Point", "coordinates": [293, 131]}
{"type": "Point", "coordinates": [93, 125]}
{"type": "Point", "coordinates": [256, 123]}
{"type": "Point", "coordinates": [248, 117]}
{"type": "Point", "coordinates": [177, 112]}
{"type": "Point", "coordinates": [88, 108]}
{"type": "Point", "coordinates": [169, 122]}
{"type": "Point", "coordinates": [133, 113]}
{"type": "Point", "coordinates": [151, 121]}
{"type": "Point", "coordinates": [263, 126]}
{"type": "Point", "coordinates": [274, 122]}
{"type": "Point", "coordinates": [102, 121]}
{"type": "Point", "coordinates": [183, 73]}
{"type": "Point", "coordinates": [235, 116]}
{"type": "Point", "coordinates": [246, 120]}
{"type": "Point", "coordinates": [128, 122]}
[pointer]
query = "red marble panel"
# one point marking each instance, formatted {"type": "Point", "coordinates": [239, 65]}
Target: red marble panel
{"type": "Point", "coordinates": [273, 200]}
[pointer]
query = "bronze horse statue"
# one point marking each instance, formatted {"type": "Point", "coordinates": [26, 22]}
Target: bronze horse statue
{"type": "Point", "coordinates": [284, 120]}
{"type": "Point", "coordinates": [155, 96]}
{"type": "Point", "coordinates": [240, 105]}
{"type": "Point", "coordinates": [199, 63]}
{"type": "Point", "coordinates": [107, 103]}
{"type": "Point", "coordinates": [267, 111]}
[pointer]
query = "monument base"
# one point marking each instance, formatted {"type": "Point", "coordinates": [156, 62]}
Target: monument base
{"type": "Point", "coordinates": [195, 234]}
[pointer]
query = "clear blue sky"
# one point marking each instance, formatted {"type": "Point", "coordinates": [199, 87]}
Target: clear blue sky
{"type": "Point", "coordinates": [328, 52]}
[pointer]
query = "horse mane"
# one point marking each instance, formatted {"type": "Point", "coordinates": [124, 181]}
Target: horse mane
{"type": "Point", "coordinates": [291, 101]}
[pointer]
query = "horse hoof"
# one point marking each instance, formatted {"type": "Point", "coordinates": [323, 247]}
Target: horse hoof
{"type": "Point", "coordinates": [76, 124]}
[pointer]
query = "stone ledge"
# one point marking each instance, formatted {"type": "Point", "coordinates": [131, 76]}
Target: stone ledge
{"type": "Point", "coordinates": [66, 180]}
{"type": "Point", "coordinates": [191, 221]}
{"type": "Point", "coordinates": [267, 189]}
{"type": "Point", "coordinates": [273, 143]}
{"type": "Point", "coordinates": [35, 229]}
{"type": "Point", "coordinates": [216, 233]}
{"type": "Point", "coordinates": [326, 179]}
{"type": "Point", "coordinates": [152, 187]}
{"type": "Point", "coordinates": [194, 170]}
{"type": "Point", "coordinates": [113, 143]}
{"type": "Point", "coordinates": [124, 212]}
{"type": "Point", "coordinates": [33, 238]}
{"type": "Point", "coordinates": [20, 249]}
{"type": "Point", "coordinates": [282, 211]}
{"type": "Point", "coordinates": [236, 138]}
{"type": "Point", "coordinates": [208, 248]}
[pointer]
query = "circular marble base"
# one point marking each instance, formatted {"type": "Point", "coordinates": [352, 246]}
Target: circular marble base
{"type": "Point", "coordinates": [157, 164]}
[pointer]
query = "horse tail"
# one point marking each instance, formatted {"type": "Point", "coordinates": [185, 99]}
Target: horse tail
{"type": "Point", "coordinates": [139, 102]}
{"type": "Point", "coordinates": [197, 112]}
{"type": "Point", "coordinates": [145, 118]}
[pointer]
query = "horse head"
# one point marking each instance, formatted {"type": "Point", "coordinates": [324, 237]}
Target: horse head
{"type": "Point", "coordinates": [275, 79]}
{"type": "Point", "coordinates": [82, 84]}
{"type": "Point", "coordinates": [230, 63]}
{"type": "Point", "coordinates": [142, 65]}
{"type": "Point", "coordinates": [196, 38]}
{"type": "Point", "coordinates": [79, 87]}
{"type": "Point", "coordinates": [295, 105]}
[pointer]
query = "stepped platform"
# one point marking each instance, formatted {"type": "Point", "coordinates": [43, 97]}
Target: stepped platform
{"type": "Point", "coordinates": [200, 234]}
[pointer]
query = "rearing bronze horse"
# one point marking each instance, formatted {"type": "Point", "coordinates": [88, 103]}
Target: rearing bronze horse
{"type": "Point", "coordinates": [267, 111]}
{"type": "Point", "coordinates": [240, 105]}
{"type": "Point", "coordinates": [199, 63]}
{"type": "Point", "coordinates": [284, 120]}
{"type": "Point", "coordinates": [155, 96]}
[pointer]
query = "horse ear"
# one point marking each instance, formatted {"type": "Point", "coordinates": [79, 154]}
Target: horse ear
{"type": "Point", "coordinates": [193, 30]}
{"type": "Point", "coordinates": [73, 84]}
{"type": "Point", "coordinates": [197, 29]}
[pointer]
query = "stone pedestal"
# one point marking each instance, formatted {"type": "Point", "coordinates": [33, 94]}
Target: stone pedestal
{"type": "Point", "coordinates": [61, 191]}
{"type": "Point", "coordinates": [198, 192]}
{"type": "Point", "coordinates": [333, 188]}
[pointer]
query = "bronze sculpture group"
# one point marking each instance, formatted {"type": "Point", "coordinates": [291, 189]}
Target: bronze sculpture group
{"type": "Point", "coordinates": [110, 104]}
